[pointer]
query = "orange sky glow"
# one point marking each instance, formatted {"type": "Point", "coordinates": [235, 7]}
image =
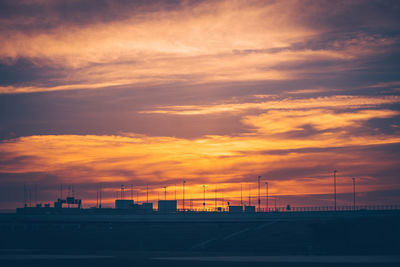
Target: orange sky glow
{"type": "Point", "coordinates": [213, 93]}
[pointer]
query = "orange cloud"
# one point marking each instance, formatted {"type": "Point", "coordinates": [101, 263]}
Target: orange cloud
{"type": "Point", "coordinates": [276, 121]}
{"type": "Point", "coordinates": [211, 42]}
{"type": "Point", "coordinates": [223, 160]}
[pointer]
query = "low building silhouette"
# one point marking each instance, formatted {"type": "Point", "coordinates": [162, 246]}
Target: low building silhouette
{"type": "Point", "coordinates": [166, 206]}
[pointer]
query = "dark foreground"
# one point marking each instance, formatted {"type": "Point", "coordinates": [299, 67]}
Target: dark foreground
{"type": "Point", "coordinates": [369, 240]}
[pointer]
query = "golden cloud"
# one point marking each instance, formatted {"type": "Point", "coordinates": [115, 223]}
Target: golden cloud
{"type": "Point", "coordinates": [212, 42]}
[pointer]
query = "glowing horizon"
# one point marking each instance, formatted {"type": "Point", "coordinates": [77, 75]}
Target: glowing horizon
{"type": "Point", "coordinates": [158, 92]}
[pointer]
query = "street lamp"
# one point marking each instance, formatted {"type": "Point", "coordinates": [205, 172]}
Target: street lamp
{"type": "Point", "coordinates": [266, 186]}
{"type": "Point", "coordinates": [259, 201]}
{"type": "Point", "coordinates": [183, 196]}
{"type": "Point", "coordinates": [204, 197]}
{"type": "Point", "coordinates": [241, 195]}
{"type": "Point", "coordinates": [147, 193]}
{"type": "Point", "coordinates": [354, 193]}
{"type": "Point", "coordinates": [165, 193]}
{"type": "Point", "coordinates": [334, 186]}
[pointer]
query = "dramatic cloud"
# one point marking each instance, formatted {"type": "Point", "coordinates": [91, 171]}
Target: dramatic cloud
{"type": "Point", "coordinates": [191, 43]}
{"type": "Point", "coordinates": [216, 93]}
{"type": "Point", "coordinates": [227, 160]}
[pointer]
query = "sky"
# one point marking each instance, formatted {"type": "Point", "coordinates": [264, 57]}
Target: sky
{"type": "Point", "coordinates": [214, 93]}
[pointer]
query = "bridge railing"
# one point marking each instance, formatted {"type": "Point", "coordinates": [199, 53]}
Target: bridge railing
{"type": "Point", "coordinates": [303, 209]}
{"type": "Point", "coordinates": [330, 208]}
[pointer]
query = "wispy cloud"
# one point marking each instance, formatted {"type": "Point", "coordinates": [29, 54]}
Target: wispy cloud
{"type": "Point", "coordinates": [338, 102]}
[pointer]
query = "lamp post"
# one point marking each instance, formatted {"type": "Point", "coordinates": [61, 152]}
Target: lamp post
{"type": "Point", "coordinates": [241, 195]}
{"type": "Point", "coordinates": [165, 193]}
{"type": "Point", "coordinates": [266, 187]}
{"type": "Point", "coordinates": [259, 201]}
{"type": "Point", "coordinates": [204, 197]}
{"type": "Point", "coordinates": [334, 186]}
{"type": "Point", "coordinates": [183, 196]}
{"type": "Point", "coordinates": [215, 198]}
{"type": "Point", "coordinates": [100, 195]}
{"type": "Point", "coordinates": [249, 196]}
{"type": "Point", "coordinates": [354, 193]}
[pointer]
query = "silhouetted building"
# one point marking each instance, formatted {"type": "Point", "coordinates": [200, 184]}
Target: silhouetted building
{"type": "Point", "coordinates": [70, 201]}
{"type": "Point", "coordinates": [167, 205]}
{"type": "Point", "coordinates": [235, 209]}
{"type": "Point", "coordinates": [147, 206]}
{"type": "Point", "coordinates": [124, 204]}
{"type": "Point", "coordinates": [250, 208]}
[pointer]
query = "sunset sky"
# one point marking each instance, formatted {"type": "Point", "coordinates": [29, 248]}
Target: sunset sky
{"type": "Point", "coordinates": [212, 92]}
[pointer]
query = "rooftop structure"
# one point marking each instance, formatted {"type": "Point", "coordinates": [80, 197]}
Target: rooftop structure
{"type": "Point", "coordinates": [124, 204]}
{"type": "Point", "coordinates": [235, 209]}
{"type": "Point", "coordinates": [167, 206]}
{"type": "Point", "coordinates": [70, 201]}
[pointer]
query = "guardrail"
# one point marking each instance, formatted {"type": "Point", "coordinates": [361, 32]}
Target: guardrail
{"type": "Point", "coordinates": [306, 209]}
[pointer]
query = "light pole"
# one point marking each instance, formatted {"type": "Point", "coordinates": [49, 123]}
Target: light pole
{"type": "Point", "coordinates": [334, 186]}
{"type": "Point", "coordinates": [204, 197]}
{"type": "Point", "coordinates": [183, 196]}
{"type": "Point", "coordinates": [354, 193]}
{"type": "Point", "coordinates": [97, 201]}
{"type": "Point", "coordinates": [249, 196]}
{"type": "Point", "coordinates": [165, 193]}
{"type": "Point", "coordinates": [266, 187]}
{"type": "Point", "coordinates": [241, 195]}
{"type": "Point", "coordinates": [101, 192]}
{"type": "Point", "coordinates": [259, 201]}
{"type": "Point", "coordinates": [215, 198]}
{"type": "Point", "coordinates": [147, 193]}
